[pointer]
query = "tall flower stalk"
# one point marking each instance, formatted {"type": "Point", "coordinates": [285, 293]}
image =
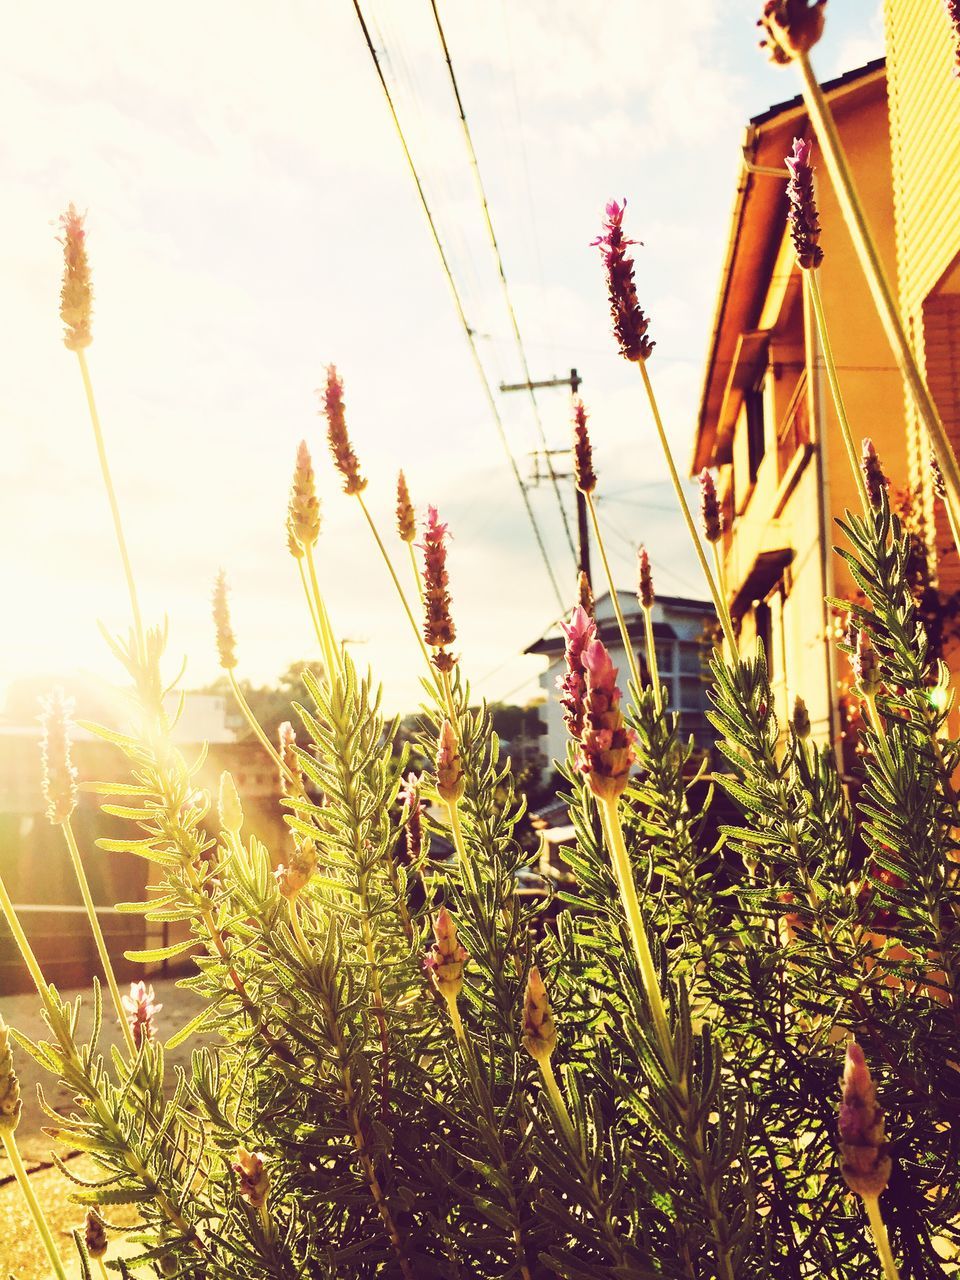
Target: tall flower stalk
{"type": "Point", "coordinates": [227, 654]}
{"type": "Point", "coordinates": [10, 1107]}
{"type": "Point", "coordinates": [864, 1154]}
{"type": "Point", "coordinates": [586, 479]}
{"type": "Point", "coordinates": [645, 598]}
{"type": "Point", "coordinates": [60, 793]}
{"type": "Point", "coordinates": [630, 327]}
{"type": "Point", "coordinates": [76, 312]}
{"type": "Point", "coordinates": [792, 30]}
{"type": "Point", "coordinates": [354, 483]}
{"type": "Point", "coordinates": [805, 234]}
{"type": "Point", "coordinates": [303, 531]}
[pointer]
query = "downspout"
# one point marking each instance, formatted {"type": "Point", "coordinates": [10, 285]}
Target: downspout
{"type": "Point", "coordinates": [815, 405]}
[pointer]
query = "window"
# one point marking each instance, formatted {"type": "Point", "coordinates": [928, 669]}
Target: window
{"type": "Point", "coordinates": [753, 403]}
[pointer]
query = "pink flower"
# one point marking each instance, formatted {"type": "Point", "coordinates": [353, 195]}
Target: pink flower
{"type": "Point", "coordinates": [76, 293]}
{"type": "Point", "coordinates": [438, 628]}
{"type": "Point", "coordinates": [582, 450]}
{"type": "Point", "coordinates": [449, 770]}
{"type": "Point", "coordinates": [141, 1006]}
{"type": "Point", "coordinates": [711, 521]}
{"type": "Point", "coordinates": [344, 457]}
{"type": "Point", "coordinates": [253, 1181]}
{"type": "Point", "coordinates": [606, 746]}
{"type": "Point", "coordinates": [644, 579]}
{"type": "Point", "coordinates": [629, 323]}
{"type": "Point", "coordinates": [804, 219]}
{"type": "Point", "coordinates": [579, 631]}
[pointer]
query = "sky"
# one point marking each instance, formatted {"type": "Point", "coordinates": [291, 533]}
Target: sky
{"type": "Point", "coordinates": [251, 218]}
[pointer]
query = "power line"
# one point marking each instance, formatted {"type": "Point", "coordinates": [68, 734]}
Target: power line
{"type": "Point", "coordinates": [488, 220]}
{"type": "Point", "coordinates": [471, 337]}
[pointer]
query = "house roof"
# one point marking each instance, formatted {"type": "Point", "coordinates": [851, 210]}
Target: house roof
{"type": "Point", "coordinates": [756, 228]}
{"type": "Point", "coordinates": [552, 641]}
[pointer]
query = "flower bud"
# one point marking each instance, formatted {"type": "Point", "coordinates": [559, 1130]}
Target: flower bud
{"type": "Point", "coordinates": [801, 719]}
{"type": "Point", "coordinates": [711, 521]}
{"type": "Point", "coordinates": [59, 777]}
{"type": "Point", "coordinates": [790, 27]}
{"type": "Point", "coordinates": [414, 813]}
{"type": "Point", "coordinates": [449, 772]}
{"type": "Point", "coordinates": [94, 1234]}
{"type": "Point", "coordinates": [344, 458]}
{"type": "Point", "coordinates": [76, 293]}
{"type": "Point", "coordinates": [439, 631]}
{"type": "Point", "coordinates": [579, 631]}
{"type": "Point", "coordinates": [295, 876]}
{"type": "Point", "coordinates": [10, 1104]}
{"type": "Point", "coordinates": [226, 640]}
{"type": "Point", "coordinates": [630, 325]}
{"type": "Point", "coordinates": [866, 666]}
{"type": "Point", "coordinates": [446, 958]}
{"type": "Point", "coordinates": [585, 594]}
{"type": "Point", "coordinates": [644, 579]}
{"type": "Point", "coordinates": [864, 1159]}
{"type": "Point", "coordinates": [606, 744]}
{"type": "Point", "coordinates": [586, 477]}
{"type": "Point", "coordinates": [539, 1031]}
{"type": "Point", "coordinates": [406, 516]}
{"type": "Point", "coordinates": [230, 808]}
{"type": "Point", "coordinates": [939, 484]}
{"type": "Point", "coordinates": [253, 1181]}
{"type": "Point", "coordinates": [873, 478]}
{"type": "Point", "coordinates": [303, 511]}
{"type": "Point", "coordinates": [288, 754]}
{"type": "Point", "coordinates": [802, 211]}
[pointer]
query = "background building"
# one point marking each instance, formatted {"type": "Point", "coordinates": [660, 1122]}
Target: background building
{"type": "Point", "coordinates": [679, 628]}
{"type": "Point", "coordinates": [924, 96]}
{"type": "Point", "coordinates": [767, 420]}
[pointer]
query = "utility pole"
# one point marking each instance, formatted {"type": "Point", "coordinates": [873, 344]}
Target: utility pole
{"type": "Point", "coordinates": [583, 529]}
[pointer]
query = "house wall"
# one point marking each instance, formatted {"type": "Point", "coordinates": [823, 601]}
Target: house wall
{"type": "Point", "coordinates": [925, 139]}
{"type": "Point", "coordinates": [804, 481]}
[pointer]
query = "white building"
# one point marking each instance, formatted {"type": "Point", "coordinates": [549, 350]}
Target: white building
{"type": "Point", "coordinates": [679, 629]}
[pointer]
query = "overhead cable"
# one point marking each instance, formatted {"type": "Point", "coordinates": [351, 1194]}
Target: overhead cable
{"type": "Point", "coordinates": [458, 303]}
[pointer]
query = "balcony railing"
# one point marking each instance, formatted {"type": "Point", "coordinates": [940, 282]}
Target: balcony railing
{"type": "Point", "coordinates": [793, 433]}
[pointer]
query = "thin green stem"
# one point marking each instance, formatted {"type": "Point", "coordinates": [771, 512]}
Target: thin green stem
{"type": "Point", "coordinates": [610, 819]}
{"type": "Point", "coordinates": [652, 664]}
{"type": "Point", "coordinates": [314, 618]}
{"type": "Point", "coordinates": [297, 927]}
{"type": "Point", "coordinates": [33, 1204]}
{"type": "Point", "coordinates": [24, 947]}
{"type": "Point", "coordinates": [98, 937]}
{"type": "Point", "coordinates": [621, 623]}
{"type": "Point", "coordinates": [880, 1237]}
{"type": "Point", "coordinates": [324, 627]}
{"type": "Point", "coordinates": [401, 593]}
{"type": "Point", "coordinates": [112, 499]}
{"type": "Point", "coordinates": [723, 613]}
{"type": "Point", "coordinates": [557, 1103]}
{"type": "Point", "coordinates": [102, 1270]}
{"type": "Point", "coordinates": [416, 570]}
{"type": "Point", "coordinates": [835, 159]}
{"type": "Point", "coordinates": [826, 347]}
{"type": "Point", "coordinates": [461, 848]}
{"type": "Point", "coordinates": [722, 587]}
{"type": "Point", "coordinates": [258, 732]}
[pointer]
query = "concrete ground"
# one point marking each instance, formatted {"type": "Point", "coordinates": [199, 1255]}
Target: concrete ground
{"type": "Point", "coordinates": [20, 1252]}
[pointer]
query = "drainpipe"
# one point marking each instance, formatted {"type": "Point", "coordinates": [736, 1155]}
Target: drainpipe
{"type": "Point", "coordinates": [816, 394]}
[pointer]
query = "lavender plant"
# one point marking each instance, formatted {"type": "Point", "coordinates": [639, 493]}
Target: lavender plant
{"type": "Point", "coordinates": [408, 1071]}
